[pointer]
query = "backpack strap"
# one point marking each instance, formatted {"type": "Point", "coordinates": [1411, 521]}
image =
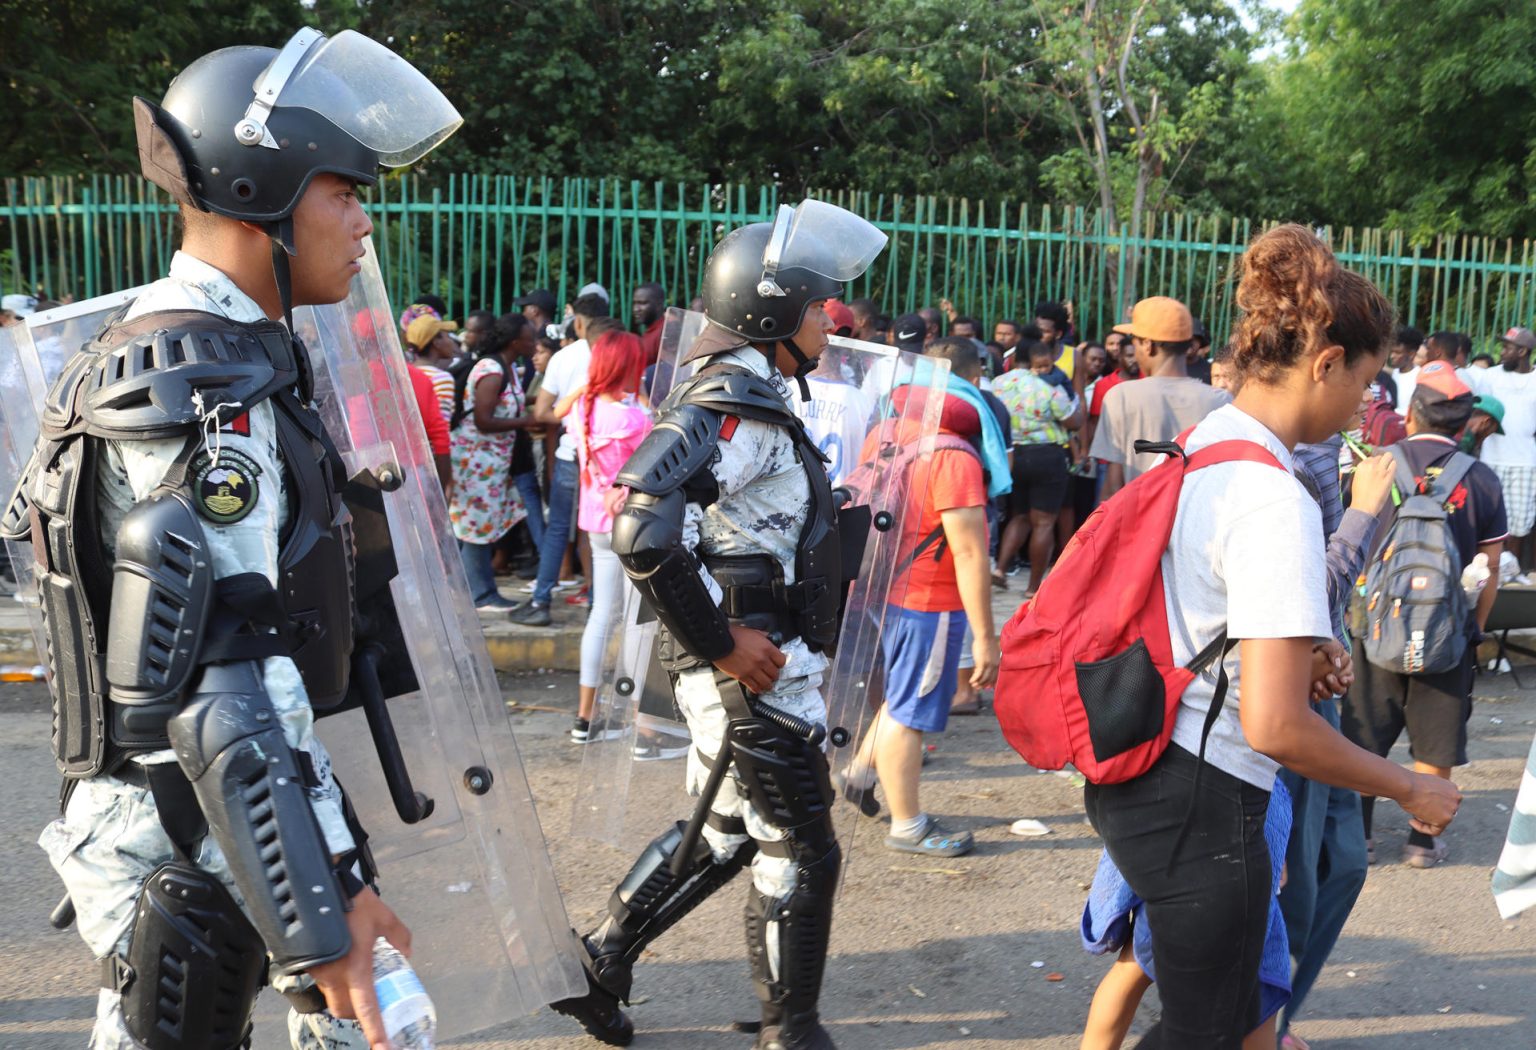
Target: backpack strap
{"type": "Point", "coordinates": [1216, 653]}
{"type": "Point", "coordinates": [1453, 473]}
{"type": "Point", "coordinates": [1234, 451]}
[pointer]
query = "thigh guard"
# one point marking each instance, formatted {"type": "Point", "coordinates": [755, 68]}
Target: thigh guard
{"type": "Point", "coordinates": [786, 779]}
{"type": "Point", "coordinates": [193, 967]}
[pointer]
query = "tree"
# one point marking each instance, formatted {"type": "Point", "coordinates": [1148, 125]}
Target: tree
{"type": "Point", "coordinates": [1411, 114]}
{"type": "Point", "coordinates": [73, 66]}
{"type": "Point", "coordinates": [1142, 84]}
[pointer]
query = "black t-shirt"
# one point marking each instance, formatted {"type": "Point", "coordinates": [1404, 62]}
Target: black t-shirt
{"type": "Point", "coordinates": [1200, 369]}
{"type": "Point", "coordinates": [1000, 410]}
{"type": "Point", "coordinates": [1476, 506]}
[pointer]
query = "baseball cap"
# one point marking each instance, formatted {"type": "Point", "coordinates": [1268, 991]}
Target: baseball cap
{"type": "Point", "coordinates": [1521, 337]}
{"type": "Point", "coordinates": [841, 316]}
{"type": "Point", "coordinates": [20, 305]}
{"type": "Point", "coordinates": [595, 289]}
{"type": "Point", "coordinates": [1160, 319]}
{"type": "Point", "coordinates": [1490, 406]}
{"type": "Point", "coordinates": [543, 298]}
{"type": "Point", "coordinates": [420, 332]}
{"type": "Point", "coordinates": [1441, 399]}
{"type": "Point", "coordinates": [909, 331]}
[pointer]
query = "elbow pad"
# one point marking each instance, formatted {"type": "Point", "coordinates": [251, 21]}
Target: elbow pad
{"type": "Point", "coordinates": [229, 742]}
{"type": "Point", "coordinates": [648, 540]}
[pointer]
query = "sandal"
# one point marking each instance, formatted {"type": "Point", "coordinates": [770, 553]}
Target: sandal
{"type": "Point", "coordinates": [975, 707]}
{"type": "Point", "coordinates": [933, 841]}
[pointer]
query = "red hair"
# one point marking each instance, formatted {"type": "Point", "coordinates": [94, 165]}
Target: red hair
{"type": "Point", "coordinates": [615, 368]}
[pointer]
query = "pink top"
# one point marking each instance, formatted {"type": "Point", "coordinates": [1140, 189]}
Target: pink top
{"type": "Point", "coordinates": [617, 430]}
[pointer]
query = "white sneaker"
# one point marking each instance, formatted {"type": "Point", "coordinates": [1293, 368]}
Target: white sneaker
{"type": "Point", "coordinates": [655, 750]}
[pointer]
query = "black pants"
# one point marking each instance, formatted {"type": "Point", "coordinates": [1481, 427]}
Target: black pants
{"type": "Point", "coordinates": [1209, 912]}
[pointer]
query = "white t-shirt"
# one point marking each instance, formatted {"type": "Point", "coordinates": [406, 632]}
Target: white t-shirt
{"type": "Point", "coordinates": [1406, 382]}
{"type": "Point", "coordinates": [838, 419]}
{"type": "Point", "coordinates": [1516, 447]}
{"type": "Point", "coordinates": [1246, 553]}
{"type": "Point", "coordinates": [566, 371]}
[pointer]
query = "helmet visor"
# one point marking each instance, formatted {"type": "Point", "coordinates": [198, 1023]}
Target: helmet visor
{"type": "Point", "coordinates": [372, 94]}
{"type": "Point", "coordinates": [824, 239]}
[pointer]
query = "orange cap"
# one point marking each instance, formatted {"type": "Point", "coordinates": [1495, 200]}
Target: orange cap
{"type": "Point", "coordinates": [1160, 319]}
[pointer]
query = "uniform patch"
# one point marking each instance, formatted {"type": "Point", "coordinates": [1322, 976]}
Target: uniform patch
{"type": "Point", "coordinates": [227, 491]}
{"type": "Point", "coordinates": [241, 425]}
{"type": "Point", "coordinates": [728, 427]}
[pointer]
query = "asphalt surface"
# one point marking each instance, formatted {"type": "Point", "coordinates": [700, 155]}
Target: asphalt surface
{"type": "Point", "coordinates": [976, 952]}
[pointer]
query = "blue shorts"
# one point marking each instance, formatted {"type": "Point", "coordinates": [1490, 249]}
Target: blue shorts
{"type": "Point", "coordinates": [922, 657]}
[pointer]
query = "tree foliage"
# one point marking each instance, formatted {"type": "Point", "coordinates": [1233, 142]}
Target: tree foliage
{"type": "Point", "coordinates": [1371, 112]}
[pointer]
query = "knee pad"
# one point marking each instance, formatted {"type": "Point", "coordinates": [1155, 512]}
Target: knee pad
{"type": "Point", "coordinates": [193, 966]}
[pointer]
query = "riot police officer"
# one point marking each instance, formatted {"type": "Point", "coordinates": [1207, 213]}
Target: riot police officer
{"type": "Point", "coordinates": [194, 566]}
{"type": "Point", "coordinates": [730, 534]}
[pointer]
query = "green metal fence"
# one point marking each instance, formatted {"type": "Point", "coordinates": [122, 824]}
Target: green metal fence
{"type": "Point", "coordinates": [481, 240]}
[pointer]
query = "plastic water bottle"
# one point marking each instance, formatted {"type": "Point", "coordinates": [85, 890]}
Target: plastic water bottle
{"type": "Point", "coordinates": [1475, 577]}
{"type": "Point", "coordinates": [409, 1019]}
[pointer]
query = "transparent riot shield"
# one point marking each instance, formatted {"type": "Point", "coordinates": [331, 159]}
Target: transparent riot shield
{"type": "Point", "coordinates": [473, 878]}
{"type": "Point", "coordinates": [452, 825]}
{"type": "Point", "coordinates": [31, 357]}
{"type": "Point", "coordinates": [856, 413]}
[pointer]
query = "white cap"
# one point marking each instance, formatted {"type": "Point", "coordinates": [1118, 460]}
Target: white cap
{"type": "Point", "coordinates": [595, 289]}
{"type": "Point", "coordinates": [20, 305]}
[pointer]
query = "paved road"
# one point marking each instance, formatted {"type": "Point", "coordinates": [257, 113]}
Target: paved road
{"type": "Point", "coordinates": [926, 954]}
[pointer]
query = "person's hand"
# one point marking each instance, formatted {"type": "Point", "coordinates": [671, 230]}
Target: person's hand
{"type": "Point", "coordinates": [613, 500]}
{"type": "Point", "coordinates": [1372, 484]}
{"type": "Point", "coordinates": [1332, 671]}
{"type": "Point", "coordinates": [1071, 309]}
{"type": "Point", "coordinates": [347, 983]}
{"type": "Point", "coordinates": [1431, 803]}
{"type": "Point", "coordinates": [988, 656]}
{"type": "Point", "coordinates": [755, 661]}
{"type": "Point", "coordinates": [948, 308]}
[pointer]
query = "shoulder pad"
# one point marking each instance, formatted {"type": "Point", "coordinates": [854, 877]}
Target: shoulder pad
{"type": "Point", "coordinates": [682, 443]}
{"type": "Point", "coordinates": [736, 392]}
{"type": "Point", "coordinates": [138, 378]}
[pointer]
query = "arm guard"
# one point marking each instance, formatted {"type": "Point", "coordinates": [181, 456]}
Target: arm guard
{"type": "Point", "coordinates": [648, 539]}
{"type": "Point", "coordinates": [230, 744]}
{"type": "Point", "coordinates": [670, 469]}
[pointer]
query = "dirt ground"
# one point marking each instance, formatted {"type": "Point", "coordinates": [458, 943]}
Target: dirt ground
{"type": "Point", "coordinates": [941, 954]}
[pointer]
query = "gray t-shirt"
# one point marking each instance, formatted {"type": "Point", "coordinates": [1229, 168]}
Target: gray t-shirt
{"type": "Point", "coordinates": [1156, 408]}
{"type": "Point", "coordinates": [1246, 553]}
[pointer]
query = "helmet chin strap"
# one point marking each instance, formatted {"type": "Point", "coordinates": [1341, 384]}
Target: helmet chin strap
{"type": "Point", "coordinates": [804, 367]}
{"type": "Point", "coordinates": [281, 233]}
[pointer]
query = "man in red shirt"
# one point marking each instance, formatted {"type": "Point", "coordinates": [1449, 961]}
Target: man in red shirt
{"type": "Point", "coordinates": [649, 310]}
{"type": "Point", "coordinates": [939, 589]}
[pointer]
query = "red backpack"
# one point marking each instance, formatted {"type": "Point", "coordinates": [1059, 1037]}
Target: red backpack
{"type": "Point", "coordinates": [1087, 672]}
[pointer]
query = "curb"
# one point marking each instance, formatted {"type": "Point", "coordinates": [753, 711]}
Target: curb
{"type": "Point", "coordinates": [512, 648]}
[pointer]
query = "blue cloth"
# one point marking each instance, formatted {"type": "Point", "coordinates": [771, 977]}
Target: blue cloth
{"type": "Point", "coordinates": [994, 445]}
{"type": "Point", "coordinates": [533, 499]}
{"type": "Point", "coordinates": [557, 530]}
{"type": "Point", "coordinates": [1113, 913]}
{"type": "Point", "coordinates": [477, 568]}
{"type": "Point", "coordinates": [922, 661]}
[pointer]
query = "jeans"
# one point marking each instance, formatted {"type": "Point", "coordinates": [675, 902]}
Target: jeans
{"type": "Point", "coordinates": [477, 566]}
{"type": "Point", "coordinates": [557, 530]}
{"type": "Point", "coordinates": [1325, 864]}
{"type": "Point", "coordinates": [1209, 908]}
{"type": "Point", "coordinates": [528, 487]}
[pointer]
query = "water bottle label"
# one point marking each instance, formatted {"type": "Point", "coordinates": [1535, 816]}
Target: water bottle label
{"type": "Point", "coordinates": [401, 998]}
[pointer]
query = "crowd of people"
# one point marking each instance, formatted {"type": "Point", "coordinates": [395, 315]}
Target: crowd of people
{"type": "Point", "coordinates": [534, 415]}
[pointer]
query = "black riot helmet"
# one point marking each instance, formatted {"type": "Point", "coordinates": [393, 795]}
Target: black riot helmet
{"type": "Point", "coordinates": [761, 278]}
{"type": "Point", "coordinates": [242, 131]}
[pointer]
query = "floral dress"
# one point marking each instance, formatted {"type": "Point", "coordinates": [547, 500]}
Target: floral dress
{"type": "Point", "coordinates": [485, 503]}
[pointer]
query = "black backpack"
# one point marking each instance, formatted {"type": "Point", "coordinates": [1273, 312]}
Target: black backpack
{"type": "Point", "coordinates": [459, 368]}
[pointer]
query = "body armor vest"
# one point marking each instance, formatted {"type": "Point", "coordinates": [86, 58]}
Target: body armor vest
{"type": "Point", "coordinates": [161, 376]}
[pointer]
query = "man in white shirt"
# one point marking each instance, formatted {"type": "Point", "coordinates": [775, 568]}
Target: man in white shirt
{"type": "Point", "coordinates": [1512, 454]}
{"type": "Point", "coordinates": [1404, 373]}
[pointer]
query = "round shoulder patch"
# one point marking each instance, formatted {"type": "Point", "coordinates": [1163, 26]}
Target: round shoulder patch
{"type": "Point", "coordinates": [226, 491]}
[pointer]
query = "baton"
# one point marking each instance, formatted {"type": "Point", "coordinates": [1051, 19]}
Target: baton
{"type": "Point", "coordinates": [695, 826]}
{"type": "Point", "coordinates": [63, 915]}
